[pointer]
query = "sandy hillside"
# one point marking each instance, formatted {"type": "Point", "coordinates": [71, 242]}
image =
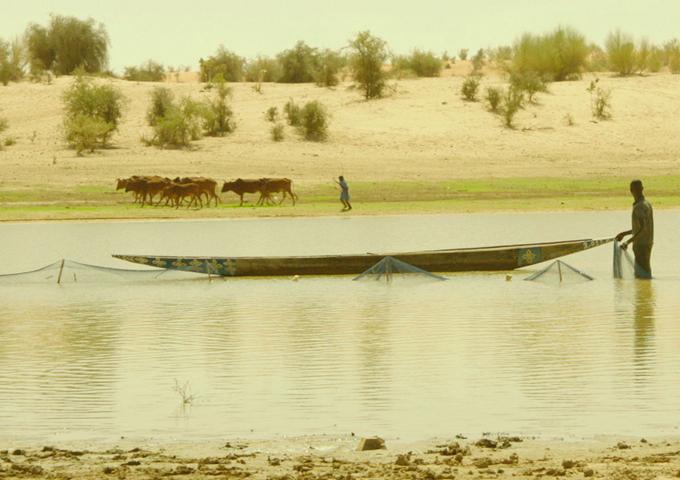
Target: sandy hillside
{"type": "Point", "coordinates": [422, 131]}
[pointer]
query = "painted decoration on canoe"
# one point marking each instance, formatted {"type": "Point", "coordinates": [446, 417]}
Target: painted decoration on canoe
{"type": "Point", "coordinates": [529, 256]}
{"type": "Point", "coordinates": [215, 266]}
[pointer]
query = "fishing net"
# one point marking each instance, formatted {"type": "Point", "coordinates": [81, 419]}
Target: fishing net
{"type": "Point", "coordinates": [69, 271]}
{"type": "Point", "coordinates": [390, 268]}
{"type": "Point", "coordinates": [559, 273]}
{"type": "Point", "coordinates": [624, 265]}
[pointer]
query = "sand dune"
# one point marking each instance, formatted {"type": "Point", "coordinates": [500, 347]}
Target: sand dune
{"type": "Point", "coordinates": [422, 131]}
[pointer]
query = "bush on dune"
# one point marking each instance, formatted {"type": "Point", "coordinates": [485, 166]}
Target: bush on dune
{"type": "Point", "coordinates": [421, 63]}
{"type": "Point", "coordinates": [148, 71]}
{"type": "Point", "coordinates": [298, 64]}
{"type": "Point", "coordinates": [263, 69]}
{"type": "Point", "coordinates": [621, 53]}
{"type": "Point", "coordinates": [218, 117]}
{"type": "Point", "coordinates": [329, 63]}
{"type": "Point", "coordinates": [225, 63]}
{"type": "Point", "coordinates": [556, 56]}
{"type": "Point", "coordinates": [92, 114]}
{"type": "Point", "coordinates": [314, 121]}
{"type": "Point", "coordinates": [470, 88]}
{"type": "Point", "coordinates": [11, 61]}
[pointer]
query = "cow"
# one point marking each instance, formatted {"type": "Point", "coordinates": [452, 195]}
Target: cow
{"type": "Point", "coordinates": [142, 186]}
{"type": "Point", "coordinates": [177, 192]}
{"type": "Point", "coordinates": [240, 187]}
{"type": "Point", "coordinates": [207, 186]}
{"type": "Point", "coordinates": [278, 185]}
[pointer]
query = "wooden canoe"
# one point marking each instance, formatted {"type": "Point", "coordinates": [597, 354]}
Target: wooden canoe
{"type": "Point", "coordinates": [507, 257]}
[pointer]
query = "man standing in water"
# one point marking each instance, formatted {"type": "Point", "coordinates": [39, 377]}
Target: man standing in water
{"type": "Point", "coordinates": [344, 195]}
{"type": "Point", "coordinates": [642, 232]}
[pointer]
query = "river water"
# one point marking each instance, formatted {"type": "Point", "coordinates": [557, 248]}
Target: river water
{"type": "Point", "coordinates": [268, 357]}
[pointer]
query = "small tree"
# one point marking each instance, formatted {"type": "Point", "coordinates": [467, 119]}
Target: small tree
{"type": "Point", "coordinates": [557, 56]}
{"type": "Point", "coordinates": [672, 54]}
{"type": "Point", "coordinates": [463, 54]}
{"type": "Point", "coordinates": [162, 101]}
{"type": "Point", "coordinates": [298, 64]}
{"type": "Point", "coordinates": [621, 52]}
{"type": "Point", "coordinates": [4, 125]}
{"type": "Point", "coordinates": [368, 56]}
{"type": "Point", "coordinates": [424, 63]}
{"type": "Point", "coordinates": [478, 60]}
{"type": "Point", "coordinates": [66, 44]}
{"type": "Point", "coordinates": [470, 88]}
{"type": "Point", "coordinates": [494, 95]}
{"type": "Point", "coordinates": [224, 63]}
{"type": "Point", "coordinates": [314, 121]}
{"type": "Point", "coordinates": [92, 113]}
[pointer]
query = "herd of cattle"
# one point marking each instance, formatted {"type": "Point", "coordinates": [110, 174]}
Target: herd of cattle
{"type": "Point", "coordinates": [154, 190]}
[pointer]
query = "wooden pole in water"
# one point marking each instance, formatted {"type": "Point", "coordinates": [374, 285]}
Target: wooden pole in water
{"type": "Point", "coordinates": [559, 269]}
{"type": "Point", "coordinates": [207, 267]}
{"type": "Point", "coordinates": [61, 270]}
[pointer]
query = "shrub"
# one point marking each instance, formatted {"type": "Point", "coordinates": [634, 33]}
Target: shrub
{"type": "Point", "coordinates": [424, 64]}
{"type": "Point", "coordinates": [292, 112]}
{"type": "Point", "coordinates": [148, 71]}
{"type": "Point", "coordinates": [178, 126]}
{"type": "Point", "coordinates": [557, 56]}
{"type": "Point", "coordinates": [162, 101]}
{"type": "Point", "coordinates": [494, 96]}
{"type": "Point", "coordinates": [597, 60]}
{"type": "Point", "coordinates": [600, 101]}
{"type": "Point", "coordinates": [298, 64]}
{"type": "Point", "coordinates": [478, 60]}
{"type": "Point", "coordinates": [328, 66]}
{"type": "Point", "coordinates": [569, 120]}
{"type": "Point", "coordinates": [470, 87]}
{"type": "Point", "coordinates": [66, 44]}
{"type": "Point", "coordinates": [621, 53]}
{"type": "Point", "coordinates": [218, 117]}
{"type": "Point", "coordinates": [9, 141]}
{"type": "Point", "coordinates": [513, 102]}
{"type": "Point", "coordinates": [225, 63]}
{"type": "Point", "coordinates": [369, 53]}
{"type": "Point", "coordinates": [672, 54]}
{"type": "Point", "coordinates": [528, 82]}
{"type": "Point", "coordinates": [463, 54]}
{"type": "Point", "coordinates": [4, 125]}
{"type": "Point", "coordinates": [642, 55]}
{"type": "Point", "coordinates": [263, 69]}
{"type": "Point", "coordinates": [83, 132]}
{"type": "Point", "coordinates": [314, 121]}
{"type": "Point", "coordinates": [272, 114]}
{"type": "Point", "coordinates": [277, 132]}
{"type": "Point", "coordinates": [92, 113]}
{"type": "Point", "coordinates": [655, 60]}
{"type": "Point", "coordinates": [11, 61]}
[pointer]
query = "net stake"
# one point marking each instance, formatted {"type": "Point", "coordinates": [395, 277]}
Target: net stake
{"type": "Point", "coordinates": [61, 270]}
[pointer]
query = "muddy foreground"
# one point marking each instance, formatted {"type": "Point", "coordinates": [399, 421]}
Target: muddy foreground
{"type": "Point", "coordinates": [327, 457]}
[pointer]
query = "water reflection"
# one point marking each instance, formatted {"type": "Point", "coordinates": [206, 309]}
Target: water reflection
{"type": "Point", "coordinates": [644, 320]}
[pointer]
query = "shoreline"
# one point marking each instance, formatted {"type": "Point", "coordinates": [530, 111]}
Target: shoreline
{"type": "Point", "coordinates": [509, 195]}
{"type": "Point", "coordinates": [333, 457]}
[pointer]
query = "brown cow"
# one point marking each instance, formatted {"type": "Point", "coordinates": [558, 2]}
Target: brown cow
{"type": "Point", "coordinates": [177, 192]}
{"type": "Point", "coordinates": [207, 185]}
{"type": "Point", "coordinates": [278, 185]}
{"type": "Point", "coordinates": [240, 187]}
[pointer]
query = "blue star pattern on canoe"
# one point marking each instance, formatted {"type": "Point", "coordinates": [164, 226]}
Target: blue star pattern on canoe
{"type": "Point", "coordinates": [529, 256]}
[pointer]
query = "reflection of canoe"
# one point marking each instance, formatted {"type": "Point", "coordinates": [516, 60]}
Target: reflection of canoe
{"type": "Point", "coordinates": [506, 257]}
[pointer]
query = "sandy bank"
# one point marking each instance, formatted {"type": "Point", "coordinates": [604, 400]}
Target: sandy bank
{"type": "Point", "coordinates": [329, 457]}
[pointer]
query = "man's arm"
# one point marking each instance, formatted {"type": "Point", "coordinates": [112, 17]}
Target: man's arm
{"type": "Point", "coordinates": [620, 236]}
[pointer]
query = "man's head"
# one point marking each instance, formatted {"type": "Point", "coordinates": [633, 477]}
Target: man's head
{"type": "Point", "coordinates": [341, 178]}
{"type": "Point", "coordinates": [636, 188]}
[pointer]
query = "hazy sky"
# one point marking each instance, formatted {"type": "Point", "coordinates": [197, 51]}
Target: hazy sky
{"type": "Point", "coordinates": [180, 32]}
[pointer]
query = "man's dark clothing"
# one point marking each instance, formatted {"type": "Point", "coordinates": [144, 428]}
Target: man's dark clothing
{"type": "Point", "coordinates": [643, 241]}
